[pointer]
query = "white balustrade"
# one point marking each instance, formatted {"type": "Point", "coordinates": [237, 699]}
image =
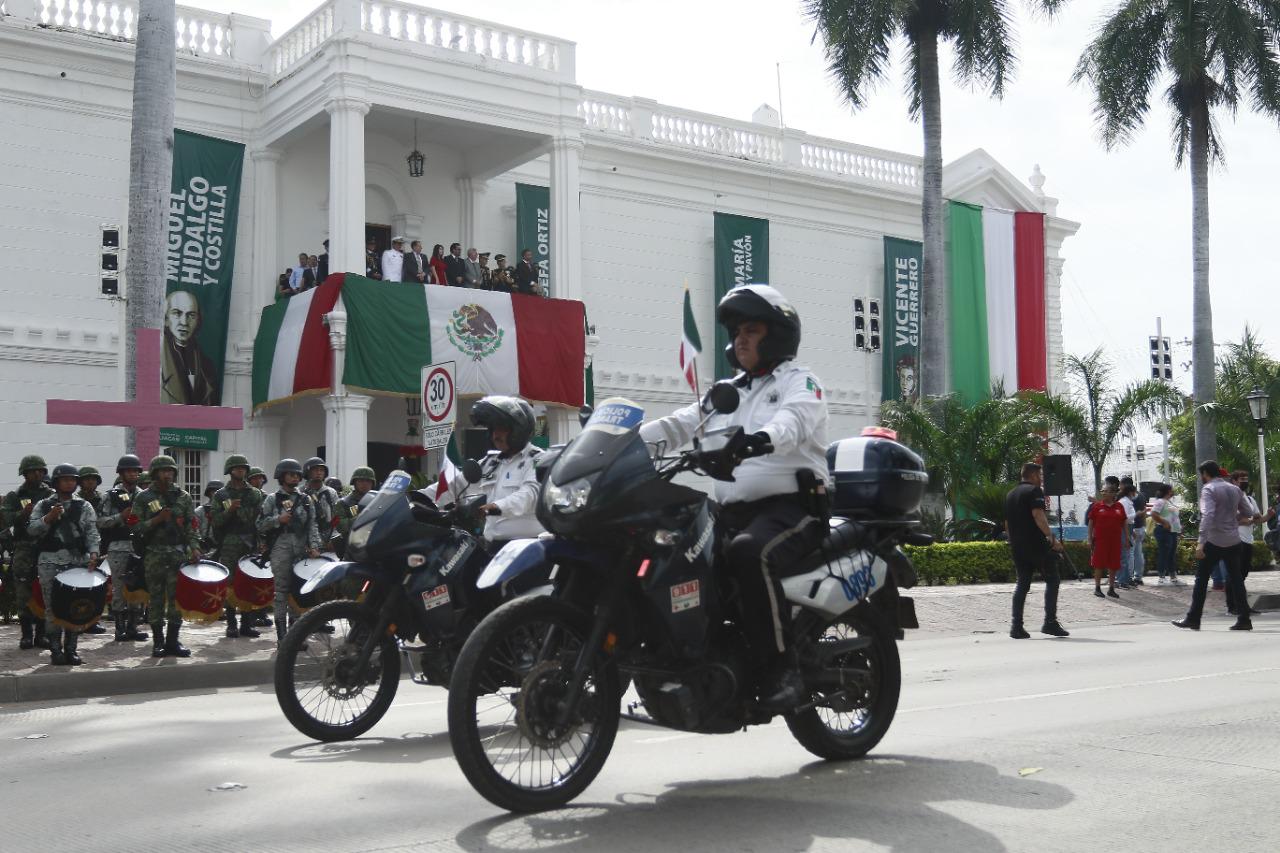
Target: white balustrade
{"type": "Point", "coordinates": [606, 116]}
{"type": "Point", "coordinates": [842, 158]}
{"type": "Point", "coordinates": [431, 27]}
{"type": "Point", "coordinates": [198, 32]}
{"type": "Point", "coordinates": [296, 44]}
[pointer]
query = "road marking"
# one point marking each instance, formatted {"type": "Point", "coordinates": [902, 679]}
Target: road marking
{"type": "Point", "coordinates": [1081, 690]}
{"type": "Point", "coordinates": [666, 738]}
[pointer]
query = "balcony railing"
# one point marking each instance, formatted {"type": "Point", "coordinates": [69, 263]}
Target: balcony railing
{"type": "Point", "coordinates": [199, 31]}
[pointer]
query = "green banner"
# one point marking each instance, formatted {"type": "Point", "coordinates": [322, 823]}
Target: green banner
{"type": "Point", "coordinates": [204, 202]}
{"type": "Point", "coordinates": [970, 368]}
{"type": "Point", "coordinates": [533, 230]}
{"type": "Point", "coordinates": [741, 257]}
{"type": "Point", "coordinates": [900, 317]}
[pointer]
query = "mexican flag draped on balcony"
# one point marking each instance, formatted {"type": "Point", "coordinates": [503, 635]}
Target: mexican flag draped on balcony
{"type": "Point", "coordinates": [502, 343]}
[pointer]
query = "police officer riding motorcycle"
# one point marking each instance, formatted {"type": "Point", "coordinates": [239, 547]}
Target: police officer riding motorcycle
{"type": "Point", "coordinates": [508, 476]}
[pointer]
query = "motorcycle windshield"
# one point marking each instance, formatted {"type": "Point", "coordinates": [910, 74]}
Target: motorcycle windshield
{"type": "Point", "coordinates": [613, 428]}
{"type": "Point", "coordinates": [391, 494]}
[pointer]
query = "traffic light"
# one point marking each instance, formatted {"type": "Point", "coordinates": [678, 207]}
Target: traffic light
{"type": "Point", "coordinates": [1161, 359]}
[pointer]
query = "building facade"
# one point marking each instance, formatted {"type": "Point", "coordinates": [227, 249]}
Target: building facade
{"type": "Point", "coordinates": [328, 113]}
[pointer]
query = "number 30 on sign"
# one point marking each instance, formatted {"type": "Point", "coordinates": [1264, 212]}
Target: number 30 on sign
{"type": "Point", "coordinates": [439, 404]}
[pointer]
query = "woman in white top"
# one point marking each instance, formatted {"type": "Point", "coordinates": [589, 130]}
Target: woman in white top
{"type": "Point", "coordinates": [1168, 530]}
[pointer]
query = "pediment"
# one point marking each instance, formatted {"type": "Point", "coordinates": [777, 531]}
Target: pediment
{"type": "Point", "coordinates": [978, 178]}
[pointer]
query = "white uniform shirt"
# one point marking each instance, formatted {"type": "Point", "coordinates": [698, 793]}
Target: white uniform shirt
{"type": "Point", "coordinates": [512, 485]}
{"type": "Point", "coordinates": [1246, 530]}
{"type": "Point", "coordinates": [787, 405]}
{"type": "Point", "coordinates": [392, 265]}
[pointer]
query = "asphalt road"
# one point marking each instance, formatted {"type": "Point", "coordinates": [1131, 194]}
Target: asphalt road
{"type": "Point", "coordinates": [1131, 738]}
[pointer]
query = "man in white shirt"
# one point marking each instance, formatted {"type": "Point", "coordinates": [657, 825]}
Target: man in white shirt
{"type": "Point", "coordinates": [1124, 579]}
{"type": "Point", "coordinates": [300, 268]}
{"type": "Point", "coordinates": [1241, 479]}
{"type": "Point", "coordinates": [393, 260]}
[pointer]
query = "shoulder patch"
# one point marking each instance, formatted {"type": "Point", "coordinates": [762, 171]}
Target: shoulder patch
{"type": "Point", "coordinates": [812, 385]}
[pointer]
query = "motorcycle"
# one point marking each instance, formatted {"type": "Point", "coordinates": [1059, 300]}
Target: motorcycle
{"type": "Point", "coordinates": [412, 568]}
{"type": "Point", "coordinates": [640, 595]}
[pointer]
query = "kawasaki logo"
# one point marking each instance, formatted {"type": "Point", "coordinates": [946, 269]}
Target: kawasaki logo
{"type": "Point", "coordinates": [693, 552]}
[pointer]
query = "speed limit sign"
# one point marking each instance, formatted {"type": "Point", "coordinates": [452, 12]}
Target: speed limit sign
{"type": "Point", "coordinates": [439, 404]}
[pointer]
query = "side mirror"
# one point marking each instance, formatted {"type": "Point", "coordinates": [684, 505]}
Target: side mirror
{"type": "Point", "coordinates": [723, 397]}
{"type": "Point", "coordinates": [471, 471]}
{"type": "Point", "coordinates": [584, 415]}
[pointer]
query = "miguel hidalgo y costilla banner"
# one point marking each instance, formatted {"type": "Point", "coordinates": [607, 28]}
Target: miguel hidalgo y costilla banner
{"type": "Point", "coordinates": [533, 229]}
{"type": "Point", "coordinates": [903, 260]}
{"type": "Point", "coordinates": [741, 257]}
{"type": "Point", "coordinates": [204, 202]}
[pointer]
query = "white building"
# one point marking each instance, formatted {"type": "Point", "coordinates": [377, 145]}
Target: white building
{"type": "Point", "coordinates": [328, 113]}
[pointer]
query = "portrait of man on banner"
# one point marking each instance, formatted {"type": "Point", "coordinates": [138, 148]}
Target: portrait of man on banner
{"type": "Point", "coordinates": [188, 377]}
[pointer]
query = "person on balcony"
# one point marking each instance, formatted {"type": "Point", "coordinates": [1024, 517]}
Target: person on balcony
{"type": "Point", "coordinates": [440, 274]}
{"type": "Point", "coordinates": [456, 267]}
{"type": "Point", "coordinates": [526, 274]}
{"type": "Point", "coordinates": [472, 267]}
{"type": "Point", "coordinates": [416, 267]}
{"type": "Point", "coordinates": [393, 260]}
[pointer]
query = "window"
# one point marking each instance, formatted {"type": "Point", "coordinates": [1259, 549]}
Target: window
{"type": "Point", "coordinates": [191, 467]}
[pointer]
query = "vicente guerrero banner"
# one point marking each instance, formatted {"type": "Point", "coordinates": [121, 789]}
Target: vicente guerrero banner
{"type": "Point", "coordinates": [903, 260]}
{"type": "Point", "coordinates": [204, 202]}
{"type": "Point", "coordinates": [741, 257]}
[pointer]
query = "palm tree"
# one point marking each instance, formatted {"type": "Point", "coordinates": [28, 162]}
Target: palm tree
{"type": "Point", "coordinates": [1093, 415]}
{"type": "Point", "coordinates": [857, 36]}
{"type": "Point", "coordinates": [150, 177]}
{"type": "Point", "coordinates": [1215, 54]}
{"type": "Point", "coordinates": [966, 446]}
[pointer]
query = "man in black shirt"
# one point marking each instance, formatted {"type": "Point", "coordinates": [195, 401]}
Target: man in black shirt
{"type": "Point", "coordinates": [1031, 542]}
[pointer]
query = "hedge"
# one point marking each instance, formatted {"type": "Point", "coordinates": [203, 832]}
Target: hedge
{"type": "Point", "coordinates": [952, 563]}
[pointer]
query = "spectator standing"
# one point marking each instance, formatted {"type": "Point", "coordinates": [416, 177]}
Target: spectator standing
{"type": "Point", "coordinates": [416, 268]}
{"type": "Point", "coordinates": [437, 264]}
{"type": "Point", "coordinates": [471, 267]}
{"type": "Point", "coordinates": [283, 289]}
{"type": "Point", "coordinates": [1124, 579]}
{"type": "Point", "coordinates": [322, 268]}
{"type": "Point", "coordinates": [372, 261]}
{"type": "Point", "coordinates": [1235, 606]}
{"type": "Point", "coordinates": [1032, 544]}
{"type": "Point", "coordinates": [311, 277]}
{"type": "Point", "coordinates": [1168, 530]}
{"type": "Point", "coordinates": [1137, 559]}
{"type": "Point", "coordinates": [1222, 509]}
{"type": "Point", "coordinates": [1108, 526]}
{"type": "Point", "coordinates": [295, 274]}
{"type": "Point", "coordinates": [526, 274]}
{"type": "Point", "coordinates": [455, 266]}
{"type": "Point", "coordinates": [502, 279]}
{"type": "Point", "coordinates": [486, 281]}
{"type": "Point", "coordinates": [393, 261]}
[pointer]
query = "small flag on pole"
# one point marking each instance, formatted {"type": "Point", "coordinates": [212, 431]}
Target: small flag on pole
{"type": "Point", "coordinates": [690, 344]}
{"type": "Point", "coordinates": [448, 472]}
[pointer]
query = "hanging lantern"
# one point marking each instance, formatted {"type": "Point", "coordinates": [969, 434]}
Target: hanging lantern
{"type": "Point", "coordinates": [415, 159]}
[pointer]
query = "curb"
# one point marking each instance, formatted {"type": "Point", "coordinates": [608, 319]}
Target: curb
{"type": "Point", "coordinates": [151, 679]}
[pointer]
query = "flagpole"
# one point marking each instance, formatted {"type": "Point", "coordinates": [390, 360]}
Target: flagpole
{"type": "Point", "coordinates": [697, 383]}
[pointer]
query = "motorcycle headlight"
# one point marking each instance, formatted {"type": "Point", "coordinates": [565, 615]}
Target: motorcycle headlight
{"type": "Point", "coordinates": [568, 498]}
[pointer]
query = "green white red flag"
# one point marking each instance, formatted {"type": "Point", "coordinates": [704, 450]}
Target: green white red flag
{"type": "Point", "coordinates": [690, 344]}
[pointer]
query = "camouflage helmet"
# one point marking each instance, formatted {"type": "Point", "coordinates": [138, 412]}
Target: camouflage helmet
{"type": "Point", "coordinates": [364, 473]}
{"type": "Point", "coordinates": [161, 462]}
{"type": "Point", "coordinates": [314, 462]}
{"type": "Point", "coordinates": [64, 469]}
{"type": "Point", "coordinates": [255, 471]}
{"type": "Point", "coordinates": [235, 460]}
{"type": "Point", "coordinates": [212, 488]}
{"type": "Point", "coordinates": [128, 462]}
{"type": "Point", "coordinates": [87, 471]}
{"type": "Point", "coordinates": [32, 463]}
{"type": "Point", "coordinates": [144, 479]}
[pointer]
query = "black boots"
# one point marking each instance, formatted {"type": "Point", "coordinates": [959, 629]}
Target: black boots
{"type": "Point", "coordinates": [1244, 623]}
{"type": "Point", "coordinates": [122, 622]}
{"type": "Point", "coordinates": [69, 642]}
{"type": "Point", "coordinates": [131, 631]}
{"type": "Point", "coordinates": [172, 648]}
{"type": "Point", "coordinates": [1188, 623]}
{"type": "Point", "coordinates": [157, 645]}
{"type": "Point", "coordinates": [246, 627]}
{"type": "Point", "coordinates": [42, 639]}
{"type": "Point", "coordinates": [229, 615]}
{"type": "Point", "coordinates": [1017, 632]}
{"type": "Point", "coordinates": [56, 656]}
{"type": "Point", "coordinates": [28, 630]}
{"type": "Point", "coordinates": [785, 690]}
{"type": "Point", "coordinates": [1053, 629]}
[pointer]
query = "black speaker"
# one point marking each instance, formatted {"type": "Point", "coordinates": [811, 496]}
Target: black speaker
{"type": "Point", "coordinates": [1057, 476]}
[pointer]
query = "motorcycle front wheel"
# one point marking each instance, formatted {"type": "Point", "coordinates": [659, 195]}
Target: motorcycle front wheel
{"type": "Point", "coordinates": [505, 702]}
{"type": "Point", "coordinates": [321, 690]}
{"type": "Point", "coordinates": [850, 720]}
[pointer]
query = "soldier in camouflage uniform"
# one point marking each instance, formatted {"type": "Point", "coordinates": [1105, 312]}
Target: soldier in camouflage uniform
{"type": "Point", "coordinates": [288, 520]}
{"type": "Point", "coordinates": [15, 512]}
{"type": "Point", "coordinates": [362, 481]}
{"type": "Point", "coordinates": [204, 531]}
{"type": "Point", "coordinates": [65, 527]}
{"type": "Point", "coordinates": [115, 521]}
{"type": "Point", "coordinates": [257, 478]}
{"type": "Point", "coordinates": [233, 517]}
{"type": "Point", "coordinates": [90, 480]}
{"type": "Point", "coordinates": [168, 535]}
{"type": "Point", "coordinates": [315, 472]}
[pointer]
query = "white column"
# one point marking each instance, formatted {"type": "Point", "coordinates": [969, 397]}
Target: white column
{"type": "Point", "coordinates": [469, 190]}
{"type": "Point", "coordinates": [566, 218]}
{"type": "Point", "coordinates": [266, 219]}
{"type": "Point", "coordinates": [346, 416]}
{"type": "Point", "coordinates": [410, 226]}
{"type": "Point", "coordinates": [346, 183]}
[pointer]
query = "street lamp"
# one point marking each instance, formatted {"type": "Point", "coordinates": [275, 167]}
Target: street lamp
{"type": "Point", "coordinates": [1258, 400]}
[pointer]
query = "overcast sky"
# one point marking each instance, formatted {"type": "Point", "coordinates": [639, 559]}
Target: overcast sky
{"type": "Point", "coordinates": [1131, 260]}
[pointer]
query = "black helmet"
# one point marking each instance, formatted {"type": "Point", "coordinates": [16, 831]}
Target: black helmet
{"type": "Point", "coordinates": [313, 462]}
{"type": "Point", "coordinates": [510, 412]}
{"type": "Point", "coordinates": [129, 462]}
{"type": "Point", "coordinates": [764, 303]}
{"type": "Point", "coordinates": [213, 487]}
{"type": "Point", "coordinates": [334, 483]}
{"type": "Point", "coordinates": [64, 470]}
{"type": "Point", "coordinates": [287, 466]}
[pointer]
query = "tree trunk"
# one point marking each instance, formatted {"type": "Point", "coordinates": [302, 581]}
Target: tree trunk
{"type": "Point", "coordinates": [1097, 478]}
{"type": "Point", "coordinates": [933, 295]}
{"type": "Point", "coordinates": [1202, 355]}
{"type": "Point", "coordinates": [150, 174]}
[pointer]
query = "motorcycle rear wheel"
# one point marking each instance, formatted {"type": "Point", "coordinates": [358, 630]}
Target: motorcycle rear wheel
{"type": "Point", "coordinates": [849, 726]}
{"type": "Point", "coordinates": [316, 685]}
{"type": "Point", "coordinates": [502, 706]}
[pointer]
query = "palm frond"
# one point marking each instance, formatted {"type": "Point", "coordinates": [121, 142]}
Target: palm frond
{"type": "Point", "coordinates": [857, 36]}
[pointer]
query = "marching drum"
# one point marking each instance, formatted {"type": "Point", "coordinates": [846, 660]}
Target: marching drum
{"type": "Point", "coordinates": [202, 590]}
{"type": "Point", "coordinates": [303, 571]}
{"type": "Point", "coordinates": [253, 586]}
{"type": "Point", "coordinates": [104, 566]}
{"type": "Point", "coordinates": [78, 598]}
{"type": "Point", "coordinates": [135, 581]}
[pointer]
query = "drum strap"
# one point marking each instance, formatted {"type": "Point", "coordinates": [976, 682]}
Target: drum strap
{"type": "Point", "coordinates": [62, 532]}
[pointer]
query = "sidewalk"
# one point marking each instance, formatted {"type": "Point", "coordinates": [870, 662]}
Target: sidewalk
{"type": "Point", "coordinates": [112, 668]}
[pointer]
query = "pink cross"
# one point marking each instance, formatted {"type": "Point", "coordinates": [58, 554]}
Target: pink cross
{"type": "Point", "coordinates": [146, 414]}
